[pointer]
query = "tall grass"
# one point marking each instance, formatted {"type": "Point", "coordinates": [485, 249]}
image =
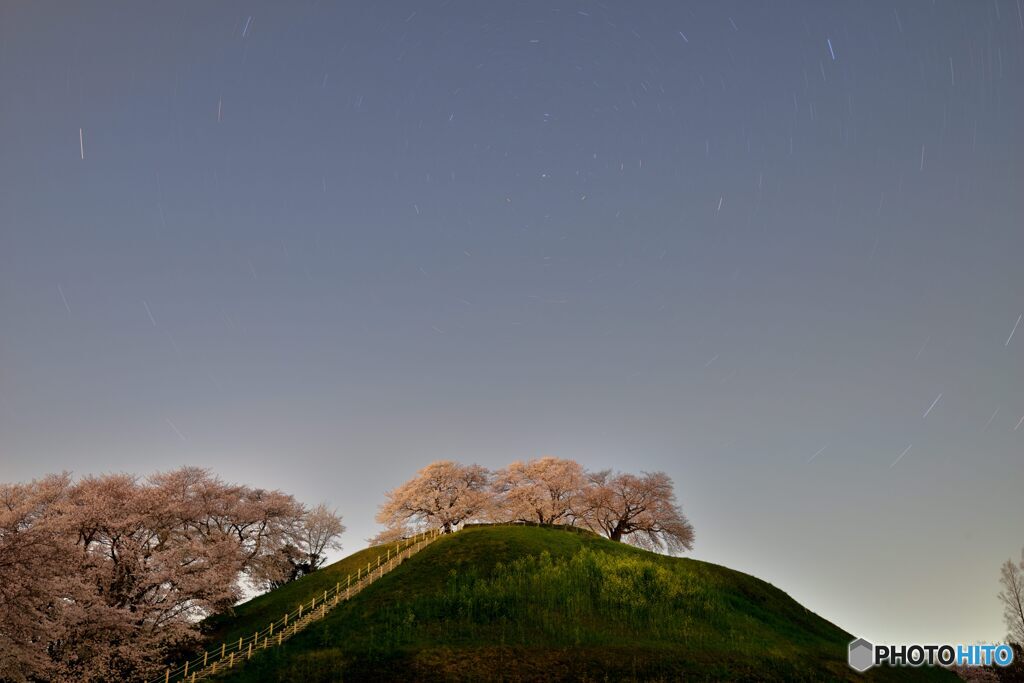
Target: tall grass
{"type": "Point", "coordinates": [590, 598]}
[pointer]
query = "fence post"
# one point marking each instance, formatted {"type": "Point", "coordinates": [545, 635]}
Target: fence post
{"type": "Point", "coordinates": [185, 673]}
{"type": "Point", "coordinates": [286, 620]}
{"type": "Point", "coordinates": [249, 655]}
{"type": "Point", "coordinates": [231, 663]}
{"type": "Point", "coordinates": [167, 675]}
{"type": "Point", "coordinates": [223, 646]}
{"type": "Point", "coordinates": [239, 644]}
{"type": "Point", "coordinates": [300, 610]}
{"type": "Point", "coordinates": [271, 629]}
{"type": "Point", "coordinates": [325, 596]}
{"type": "Point", "coordinates": [206, 654]}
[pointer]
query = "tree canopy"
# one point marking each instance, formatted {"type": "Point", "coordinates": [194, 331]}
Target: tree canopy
{"type": "Point", "coordinates": [102, 576]}
{"type": "Point", "coordinates": [639, 509]}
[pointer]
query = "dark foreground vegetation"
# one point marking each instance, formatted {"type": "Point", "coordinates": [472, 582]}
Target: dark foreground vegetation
{"type": "Point", "coordinates": [528, 603]}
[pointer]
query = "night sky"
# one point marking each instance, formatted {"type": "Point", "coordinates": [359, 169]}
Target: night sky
{"type": "Point", "coordinates": [773, 249]}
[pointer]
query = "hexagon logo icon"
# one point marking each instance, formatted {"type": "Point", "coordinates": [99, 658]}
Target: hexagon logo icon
{"type": "Point", "coordinates": [861, 656]}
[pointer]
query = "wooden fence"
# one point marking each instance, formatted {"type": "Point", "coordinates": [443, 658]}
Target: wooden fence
{"type": "Point", "coordinates": [274, 634]}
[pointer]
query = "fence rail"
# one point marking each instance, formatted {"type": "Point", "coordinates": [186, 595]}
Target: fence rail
{"type": "Point", "coordinates": [235, 652]}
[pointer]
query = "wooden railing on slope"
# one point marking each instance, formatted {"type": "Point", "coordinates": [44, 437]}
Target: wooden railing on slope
{"type": "Point", "coordinates": [230, 654]}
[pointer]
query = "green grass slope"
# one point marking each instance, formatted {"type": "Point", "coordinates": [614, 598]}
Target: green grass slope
{"type": "Point", "coordinates": [527, 603]}
{"type": "Point", "coordinates": [255, 614]}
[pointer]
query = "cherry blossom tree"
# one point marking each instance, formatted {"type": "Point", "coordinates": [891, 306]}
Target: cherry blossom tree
{"type": "Point", "coordinates": [262, 523]}
{"type": "Point", "coordinates": [34, 552]}
{"type": "Point", "coordinates": [102, 577]}
{"type": "Point", "coordinates": [318, 533]}
{"type": "Point", "coordinates": [546, 490]}
{"type": "Point", "coordinates": [641, 510]}
{"type": "Point", "coordinates": [442, 494]}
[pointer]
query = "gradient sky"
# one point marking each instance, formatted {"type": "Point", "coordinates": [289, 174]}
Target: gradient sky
{"type": "Point", "coordinates": [773, 249]}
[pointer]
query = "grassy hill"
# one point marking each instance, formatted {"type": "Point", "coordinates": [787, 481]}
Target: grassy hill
{"type": "Point", "coordinates": [526, 603]}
